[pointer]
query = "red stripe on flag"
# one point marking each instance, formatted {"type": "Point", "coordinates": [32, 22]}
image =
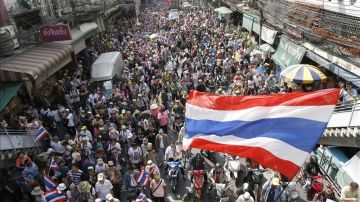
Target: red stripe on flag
{"type": "Point", "coordinates": [264, 157]}
{"type": "Point", "coordinates": [224, 102]}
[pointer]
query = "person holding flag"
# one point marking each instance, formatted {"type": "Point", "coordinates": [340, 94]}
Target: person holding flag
{"type": "Point", "coordinates": [49, 183]}
{"type": "Point", "coordinates": [40, 134]}
{"type": "Point", "coordinates": [38, 194]}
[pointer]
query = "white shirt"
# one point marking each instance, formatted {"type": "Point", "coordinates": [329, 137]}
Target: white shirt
{"type": "Point", "coordinates": [70, 117]}
{"type": "Point", "coordinates": [101, 168]}
{"type": "Point", "coordinates": [172, 153]}
{"type": "Point", "coordinates": [161, 142]}
{"type": "Point", "coordinates": [160, 191]}
{"type": "Point", "coordinates": [103, 189]}
{"type": "Point", "coordinates": [135, 155]}
{"type": "Point", "coordinates": [87, 134]}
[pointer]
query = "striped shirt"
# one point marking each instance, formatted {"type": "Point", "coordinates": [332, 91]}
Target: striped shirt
{"type": "Point", "coordinates": [75, 176]}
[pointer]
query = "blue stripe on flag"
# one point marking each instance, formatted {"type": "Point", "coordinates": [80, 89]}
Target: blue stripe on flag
{"type": "Point", "coordinates": [296, 132]}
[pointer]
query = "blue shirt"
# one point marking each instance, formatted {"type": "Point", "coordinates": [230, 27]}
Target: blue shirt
{"type": "Point", "coordinates": [31, 172]}
{"type": "Point", "coordinates": [278, 190]}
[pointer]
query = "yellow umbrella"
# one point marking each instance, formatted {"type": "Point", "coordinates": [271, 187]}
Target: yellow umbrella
{"type": "Point", "coordinates": [302, 73]}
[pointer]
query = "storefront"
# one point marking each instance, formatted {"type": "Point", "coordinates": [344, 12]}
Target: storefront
{"type": "Point", "coordinates": [36, 64]}
{"type": "Point", "coordinates": [336, 65]}
{"type": "Point", "coordinates": [288, 53]}
{"type": "Point", "coordinates": [247, 22]}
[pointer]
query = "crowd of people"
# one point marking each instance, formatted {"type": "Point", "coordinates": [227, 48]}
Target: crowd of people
{"type": "Point", "coordinates": [98, 145]}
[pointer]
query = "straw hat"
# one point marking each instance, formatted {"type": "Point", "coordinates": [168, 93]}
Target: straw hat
{"type": "Point", "coordinates": [76, 156]}
{"type": "Point", "coordinates": [36, 191]}
{"type": "Point", "coordinates": [84, 128]}
{"type": "Point", "coordinates": [276, 181]}
{"type": "Point", "coordinates": [84, 139]}
{"type": "Point", "coordinates": [84, 186]}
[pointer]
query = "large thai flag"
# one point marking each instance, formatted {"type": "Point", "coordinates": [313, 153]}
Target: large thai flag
{"type": "Point", "coordinates": [279, 131]}
{"type": "Point", "coordinates": [54, 196]}
{"type": "Point", "coordinates": [40, 134]}
{"type": "Point", "coordinates": [49, 184]}
{"type": "Point", "coordinates": [142, 177]}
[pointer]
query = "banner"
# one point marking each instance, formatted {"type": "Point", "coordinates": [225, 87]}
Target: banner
{"type": "Point", "coordinates": [288, 53]}
{"type": "Point", "coordinates": [268, 35]}
{"type": "Point", "coordinates": [55, 33]}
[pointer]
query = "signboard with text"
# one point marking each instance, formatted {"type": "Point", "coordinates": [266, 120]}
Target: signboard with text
{"type": "Point", "coordinates": [55, 33]}
{"type": "Point", "coordinates": [293, 31]}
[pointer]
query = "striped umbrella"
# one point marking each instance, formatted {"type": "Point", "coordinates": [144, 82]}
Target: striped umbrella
{"type": "Point", "coordinates": [302, 73]}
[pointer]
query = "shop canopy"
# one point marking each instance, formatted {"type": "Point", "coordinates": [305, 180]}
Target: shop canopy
{"type": "Point", "coordinates": [7, 91]}
{"type": "Point", "coordinates": [223, 10]}
{"type": "Point", "coordinates": [36, 64]}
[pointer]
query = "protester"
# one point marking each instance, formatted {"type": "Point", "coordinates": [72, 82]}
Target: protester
{"type": "Point", "coordinates": [350, 193]}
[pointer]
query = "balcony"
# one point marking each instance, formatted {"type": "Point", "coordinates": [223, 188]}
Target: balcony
{"type": "Point", "coordinates": [343, 128]}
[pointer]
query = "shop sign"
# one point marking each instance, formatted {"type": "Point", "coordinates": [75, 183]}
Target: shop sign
{"type": "Point", "coordinates": [268, 35]}
{"type": "Point", "coordinates": [247, 22]}
{"type": "Point", "coordinates": [55, 33]}
{"type": "Point", "coordinates": [293, 31]}
{"type": "Point", "coordinates": [288, 53]}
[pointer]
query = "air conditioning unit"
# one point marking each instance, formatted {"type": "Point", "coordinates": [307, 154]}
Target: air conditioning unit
{"type": "Point", "coordinates": [10, 29]}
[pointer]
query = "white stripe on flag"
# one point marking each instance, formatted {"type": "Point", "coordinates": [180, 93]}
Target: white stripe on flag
{"type": "Point", "coordinates": [315, 113]}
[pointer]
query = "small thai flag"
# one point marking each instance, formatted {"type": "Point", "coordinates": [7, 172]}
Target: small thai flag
{"type": "Point", "coordinates": [54, 196]}
{"type": "Point", "coordinates": [142, 178]}
{"type": "Point", "coordinates": [49, 184]}
{"type": "Point", "coordinates": [40, 134]}
{"type": "Point", "coordinates": [53, 164]}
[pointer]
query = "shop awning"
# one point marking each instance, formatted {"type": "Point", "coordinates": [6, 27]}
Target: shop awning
{"type": "Point", "coordinates": [348, 76]}
{"type": "Point", "coordinates": [7, 91]}
{"type": "Point", "coordinates": [223, 10]}
{"type": "Point", "coordinates": [247, 22]}
{"type": "Point", "coordinates": [89, 28]}
{"type": "Point", "coordinates": [288, 53]}
{"type": "Point", "coordinates": [77, 42]}
{"type": "Point", "coordinates": [36, 63]}
{"type": "Point", "coordinates": [268, 35]}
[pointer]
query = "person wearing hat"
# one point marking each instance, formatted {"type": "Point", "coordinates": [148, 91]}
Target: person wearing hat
{"type": "Point", "coordinates": [97, 124]}
{"type": "Point", "coordinates": [161, 143]}
{"type": "Point", "coordinates": [273, 191]}
{"type": "Point", "coordinates": [110, 198]}
{"type": "Point", "coordinates": [103, 187]}
{"type": "Point", "coordinates": [152, 169]}
{"type": "Point", "coordinates": [38, 194]}
{"type": "Point", "coordinates": [149, 151]}
{"type": "Point", "coordinates": [86, 133]}
{"type": "Point", "coordinates": [85, 146]}
{"type": "Point", "coordinates": [87, 192]}
{"type": "Point", "coordinates": [115, 177]}
{"type": "Point", "coordinates": [246, 197]}
{"type": "Point", "coordinates": [101, 166]}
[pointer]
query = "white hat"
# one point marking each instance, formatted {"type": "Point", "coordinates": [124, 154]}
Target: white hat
{"type": "Point", "coordinates": [109, 197]}
{"type": "Point", "coordinates": [246, 195]}
{"type": "Point", "coordinates": [98, 200]}
{"type": "Point", "coordinates": [150, 163]}
{"type": "Point", "coordinates": [153, 106]}
{"type": "Point", "coordinates": [61, 187]}
{"type": "Point", "coordinates": [100, 176]}
{"type": "Point", "coordinates": [50, 151]}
